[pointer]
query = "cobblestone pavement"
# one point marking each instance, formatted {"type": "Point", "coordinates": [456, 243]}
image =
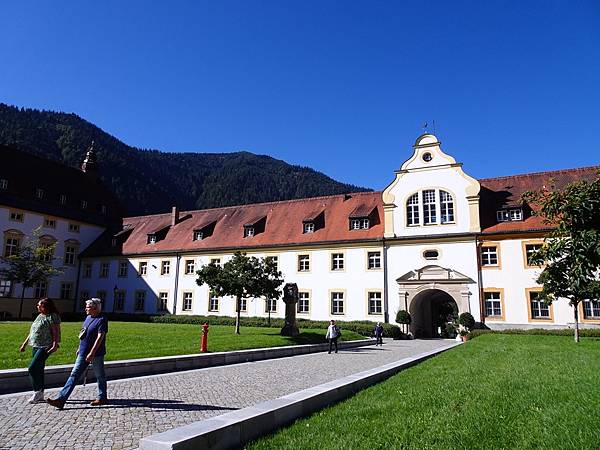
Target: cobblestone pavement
{"type": "Point", "coordinates": [143, 406]}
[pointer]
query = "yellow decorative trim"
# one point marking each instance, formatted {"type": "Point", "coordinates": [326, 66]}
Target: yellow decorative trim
{"type": "Point", "coordinates": [500, 318]}
{"type": "Point", "coordinates": [367, 313]}
{"type": "Point", "coordinates": [524, 245]}
{"type": "Point", "coordinates": [498, 255]}
{"type": "Point", "coordinates": [330, 292]}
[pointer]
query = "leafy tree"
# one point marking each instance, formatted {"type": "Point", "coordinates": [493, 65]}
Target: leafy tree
{"type": "Point", "coordinates": [571, 252]}
{"type": "Point", "coordinates": [29, 264]}
{"type": "Point", "coordinates": [403, 318]}
{"type": "Point", "coordinates": [242, 277]}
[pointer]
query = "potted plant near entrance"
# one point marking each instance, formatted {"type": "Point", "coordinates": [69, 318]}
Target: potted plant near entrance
{"type": "Point", "coordinates": [467, 322]}
{"type": "Point", "coordinates": [404, 319]}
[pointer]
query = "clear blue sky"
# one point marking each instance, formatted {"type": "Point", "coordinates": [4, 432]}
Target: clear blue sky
{"type": "Point", "coordinates": [342, 87]}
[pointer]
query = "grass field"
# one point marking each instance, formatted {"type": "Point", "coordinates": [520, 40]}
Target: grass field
{"type": "Point", "coordinates": [128, 340]}
{"type": "Point", "coordinates": [495, 392]}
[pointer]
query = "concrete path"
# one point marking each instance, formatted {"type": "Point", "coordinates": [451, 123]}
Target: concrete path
{"type": "Point", "coordinates": [143, 406]}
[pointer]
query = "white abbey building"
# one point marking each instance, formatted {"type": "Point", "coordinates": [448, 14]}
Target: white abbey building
{"type": "Point", "coordinates": [434, 239]}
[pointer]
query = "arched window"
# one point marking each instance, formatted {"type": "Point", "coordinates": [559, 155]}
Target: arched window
{"type": "Point", "coordinates": [430, 207]}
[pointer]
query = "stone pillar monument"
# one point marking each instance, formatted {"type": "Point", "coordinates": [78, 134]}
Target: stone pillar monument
{"type": "Point", "coordinates": [290, 298]}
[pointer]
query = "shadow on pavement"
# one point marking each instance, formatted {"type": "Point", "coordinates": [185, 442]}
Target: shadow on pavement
{"type": "Point", "coordinates": [151, 403]}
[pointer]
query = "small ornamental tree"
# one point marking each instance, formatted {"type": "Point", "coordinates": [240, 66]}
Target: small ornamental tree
{"type": "Point", "coordinates": [570, 255]}
{"type": "Point", "coordinates": [242, 277]}
{"type": "Point", "coordinates": [467, 320]}
{"type": "Point", "coordinates": [29, 264]}
{"type": "Point", "coordinates": [403, 318]}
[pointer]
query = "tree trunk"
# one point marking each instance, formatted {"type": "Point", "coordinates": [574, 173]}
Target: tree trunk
{"type": "Point", "coordinates": [576, 315]}
{"type": "Point", "coordinates": [238, 305]}
{"type": "Point", "coordinates": [22, 299]}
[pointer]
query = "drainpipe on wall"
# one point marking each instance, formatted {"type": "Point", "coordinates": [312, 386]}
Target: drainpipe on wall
{"type": "Point", "coordinates": [479, 281]}
{"type": "Point", "coordinates": [77, 285]}
{"type": "Point", "coordinates": [176, 283]}
{"type": "Point", "coordinates": [386, 313]}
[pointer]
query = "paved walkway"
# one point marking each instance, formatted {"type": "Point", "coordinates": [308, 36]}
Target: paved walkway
{"type": "Point", "coordinates": [143, 406]}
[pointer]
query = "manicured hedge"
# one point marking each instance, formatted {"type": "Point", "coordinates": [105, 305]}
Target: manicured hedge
{"type": "Point", "coordinates": [583, 332]}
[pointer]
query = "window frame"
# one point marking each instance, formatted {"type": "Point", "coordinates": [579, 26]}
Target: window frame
{"type": "Point", "coordinates": [123, 268]}
{"type": "Point", "coordinates": [136, 307]}
{"type": "Point", "coordinates": [332, 302]}
{"type": "Point", "coordinates": [378, 259]}
{"type": "Point", "coordinates": [187, 296]}
{"type": "Point", "coordinates": [213, 301]}
{"type": "Point", "coordinates": [187, 264]}
{"type": "Point", "coordinates": [524, 245]}
{"type": "Point", "coordinates": [302, 301]}
{"type": "Point", "coordinates": [337, 261]}
{"type": "Point", "coordinates": [16, 216]}
{"type": "Point", "coordinates": [530, 307]}
{"type": "Point", "coordinates": [144, 265]}
{"type": "Point", "coordinates": [165, 267]}
{"type": "Point", "coordinates": [490, 244]}
{"type": "Point", "coordinates": [303, 259]}
{"type": "Point", "coordinates": [102, 273]}
{"type": "Point", "coordinates": [162, 301]}
{"type": "Point", "coordinates": [368, 296]}
{"type": "Point", "coordinates": [500, 292]}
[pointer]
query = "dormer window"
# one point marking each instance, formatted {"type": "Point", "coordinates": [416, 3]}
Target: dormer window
{"type": "Point", "coordinates": [103, 209]}
{"type": "Point", "coordinates": [309, 227]}
{"type": "Point", "coordinates": [362, 223]}
{"type": "Point", "coordinates": [248, 231]}
{"type": "Point", "coordinates": [430, 207]}
{"type": "Point", "coordinates": [509, 215]}
{"type": "Point", "coordinates": [39, 193]}
{"type": "Point", "coordinates": [83, 204]}
{"type": "Point", "coordinates": [152, 238]}
{"type": "Point", "coordinates": [113, 242]}
{"type": "Point", "coordinates": [198, 235]}
{"type": "Point", "coordinates": [62, 199]}
{"type": "Point", "coordinates": [3, 184]}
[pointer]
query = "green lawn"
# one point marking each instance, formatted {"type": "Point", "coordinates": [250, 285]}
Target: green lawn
{"type": "Point", "coordinates": [495, 392]}
{"type": "Point", "coordinates": [128, 340]}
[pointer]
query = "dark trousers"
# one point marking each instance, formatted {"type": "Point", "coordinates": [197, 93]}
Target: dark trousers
{"type": "Point", "coordinates": [333, 342]}
{"type": "Point", "coordinates": [379, 340]}
{"type": "Point", "coordinates": [36, 367]}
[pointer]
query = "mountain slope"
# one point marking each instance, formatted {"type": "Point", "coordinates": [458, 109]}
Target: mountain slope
{"type": "Point", "coordinates": [150, 181]}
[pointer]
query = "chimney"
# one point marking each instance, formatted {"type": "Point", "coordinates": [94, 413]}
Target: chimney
{"type": "Point", "coordinates": [174, 216]}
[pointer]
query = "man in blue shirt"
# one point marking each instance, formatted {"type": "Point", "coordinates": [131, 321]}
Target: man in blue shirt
{"type": "Point", "coordinates": [92, 348]}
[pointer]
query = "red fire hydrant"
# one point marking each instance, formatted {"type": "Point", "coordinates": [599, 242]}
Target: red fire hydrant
{"type": "Point", "coordinates": [204, 341]}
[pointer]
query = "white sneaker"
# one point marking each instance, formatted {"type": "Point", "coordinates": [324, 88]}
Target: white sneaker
{"type": "Point", "coordinates": [38, 397]}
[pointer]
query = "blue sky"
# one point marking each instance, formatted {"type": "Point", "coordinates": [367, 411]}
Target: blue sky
{"type": "Point", "coordinates": [340, 86]}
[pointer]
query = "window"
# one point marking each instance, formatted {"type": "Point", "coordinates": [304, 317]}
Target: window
{"type": "Point", "coordinates": [516, 214]}
{"type": "Point", "coordinates": [74, 228]}
{"type": "Point", "coordinates": [70, 252]}
{"type": "Point", "coordinates": [49, 223]}
{"type": "Point", "coordinates": [270, 305]}
{"type": "Point", "coordinates": [412, 210]}
{"type": "Point", "coordinates": [361, 223]}
{"type": "Point", "coordinates": [11, 245]}
{"type": "Point", "coordinates": [213, 301]}
{"type": "Point", "coordinates": [5, 288]}
{"type": "Point", "coordinates": [39, 193]}
{"type": "Point", "coordinates": [430, 207]}
{"type": "Point", "coordinates": [102, 296]}
{"type": "Point", "coordinates": [493, 304]}
{"type": "Point", "coordinates": [123, 268]}
{"type": "Point", "coordinates": [198, 235]}
{"type": "Point", "coordinates": [113, 242]}
{"type": "Point", "coordinates": [375, 303]}
{"type": "Point", "coordinates": [143, 268]}
{"type": "Point", "coordinates": [83, 297]}
{"type": "Point", "coordinates": [47, 251]}
{"type": "Point", "coordinates": [62, 199]}
{"type": "Point", "coordinates": [216, 261]}
{"type": "Point", "coordinates": [431, 254]}
{"type": "Point", "coordinates": [3, 184]}
{"type": "Point", "coordinates": [40, 289]}
{"type": "Point", "coordinates": [165, 267]}
{"type": "Point", "coordinates": [538, 308]}
{"type": "Point", "coordinates": [530, 249]}
{"type": "Point", "coordinates": [119, 300]}
{"type": "Point", "coordinates": [163, 301]}
{"type": "Point", "coordinates": [591, 309]}
{"type": "Point", "coordinates": [140, 300]}
{"type": "Point", "coordinates": [273, 260]}
{"type": "Point", "coordinates": [104, 269]}
{"type": "Point", "coordinates": [337, 303]}
{"type": "Point", "coordinates": [66, 290]}
{"type": "Point", "coordinates": [303, 302]}
{"type": "Point", "coordinates": [243, 305]}
{"type": "Point", "coordinates": [309, 227]}
{"type": "Point", "coordinates": [83, 204]}
{"type": "Point", "coordinates": [87, 270]}
{"type": "Point", "coordinates": [303, 263]}
{"type": "Point", "coordinates": [16, 216]}
{"type": "Point", "coordinates": [187, 301]}
{"type": "Point", "coordinates": [151, 239]}
{"type": "Point", "coordinates": [373, 260]}
{"type": "Point", "coordinates": [489, 255]}
{"type": "Point", "coordinates": [190, 267]}
{"type": "Point", "coordinates": [102, 209]}
{"type": "Point", "coordinates": [337, 261]}
{"type": "Point", "coordinates": [248, 231]}
{"type": "Point", "coordinates": [506, 215]}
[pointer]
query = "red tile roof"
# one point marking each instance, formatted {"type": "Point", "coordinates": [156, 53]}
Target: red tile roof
{"type": "Point", "coordinates": [284, 219]}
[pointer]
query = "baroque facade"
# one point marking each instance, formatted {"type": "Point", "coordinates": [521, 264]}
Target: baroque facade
{"type": "Point", "coordinates": [435, 240]}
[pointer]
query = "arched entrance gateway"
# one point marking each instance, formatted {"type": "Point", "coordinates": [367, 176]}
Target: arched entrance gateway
{"type": "Point", "coordinates": [431, 294]}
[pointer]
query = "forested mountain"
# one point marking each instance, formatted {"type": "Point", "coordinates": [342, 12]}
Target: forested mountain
{"type": "Point", "coordinates": [150, 181]}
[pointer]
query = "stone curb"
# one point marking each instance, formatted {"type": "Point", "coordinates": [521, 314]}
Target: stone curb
{"type": "Point", "coordinates": [233, 430]}
{"type": "Point", "coordinates": [17, 380]}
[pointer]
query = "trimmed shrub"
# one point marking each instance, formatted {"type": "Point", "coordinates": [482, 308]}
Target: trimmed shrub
{"type": "Point", "coordinates": [467, 320]}
{"type": "Point", "coordinates": [403, 317]}
{"type": "Point", "coordinates": [583, 332]}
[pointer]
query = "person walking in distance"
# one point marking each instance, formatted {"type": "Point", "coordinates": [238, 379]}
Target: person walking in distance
{"type": "Point", "coordinates": [333, 332]}
{"type": "Point", "coordinates": [92, 348]}
{"type": "Point", "coordinates": [44, 338]}
{"type": "Point", "coordinates": [378, 332]}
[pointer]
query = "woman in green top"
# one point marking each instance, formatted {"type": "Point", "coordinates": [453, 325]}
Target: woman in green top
{"type": "Point", "coordinates": [44, 338]}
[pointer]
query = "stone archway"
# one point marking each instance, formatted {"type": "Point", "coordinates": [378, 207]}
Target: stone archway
{"type": "Point", "coordinates": [430, 309]}
{"type": "Point", "coordinates": [422, 292]}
